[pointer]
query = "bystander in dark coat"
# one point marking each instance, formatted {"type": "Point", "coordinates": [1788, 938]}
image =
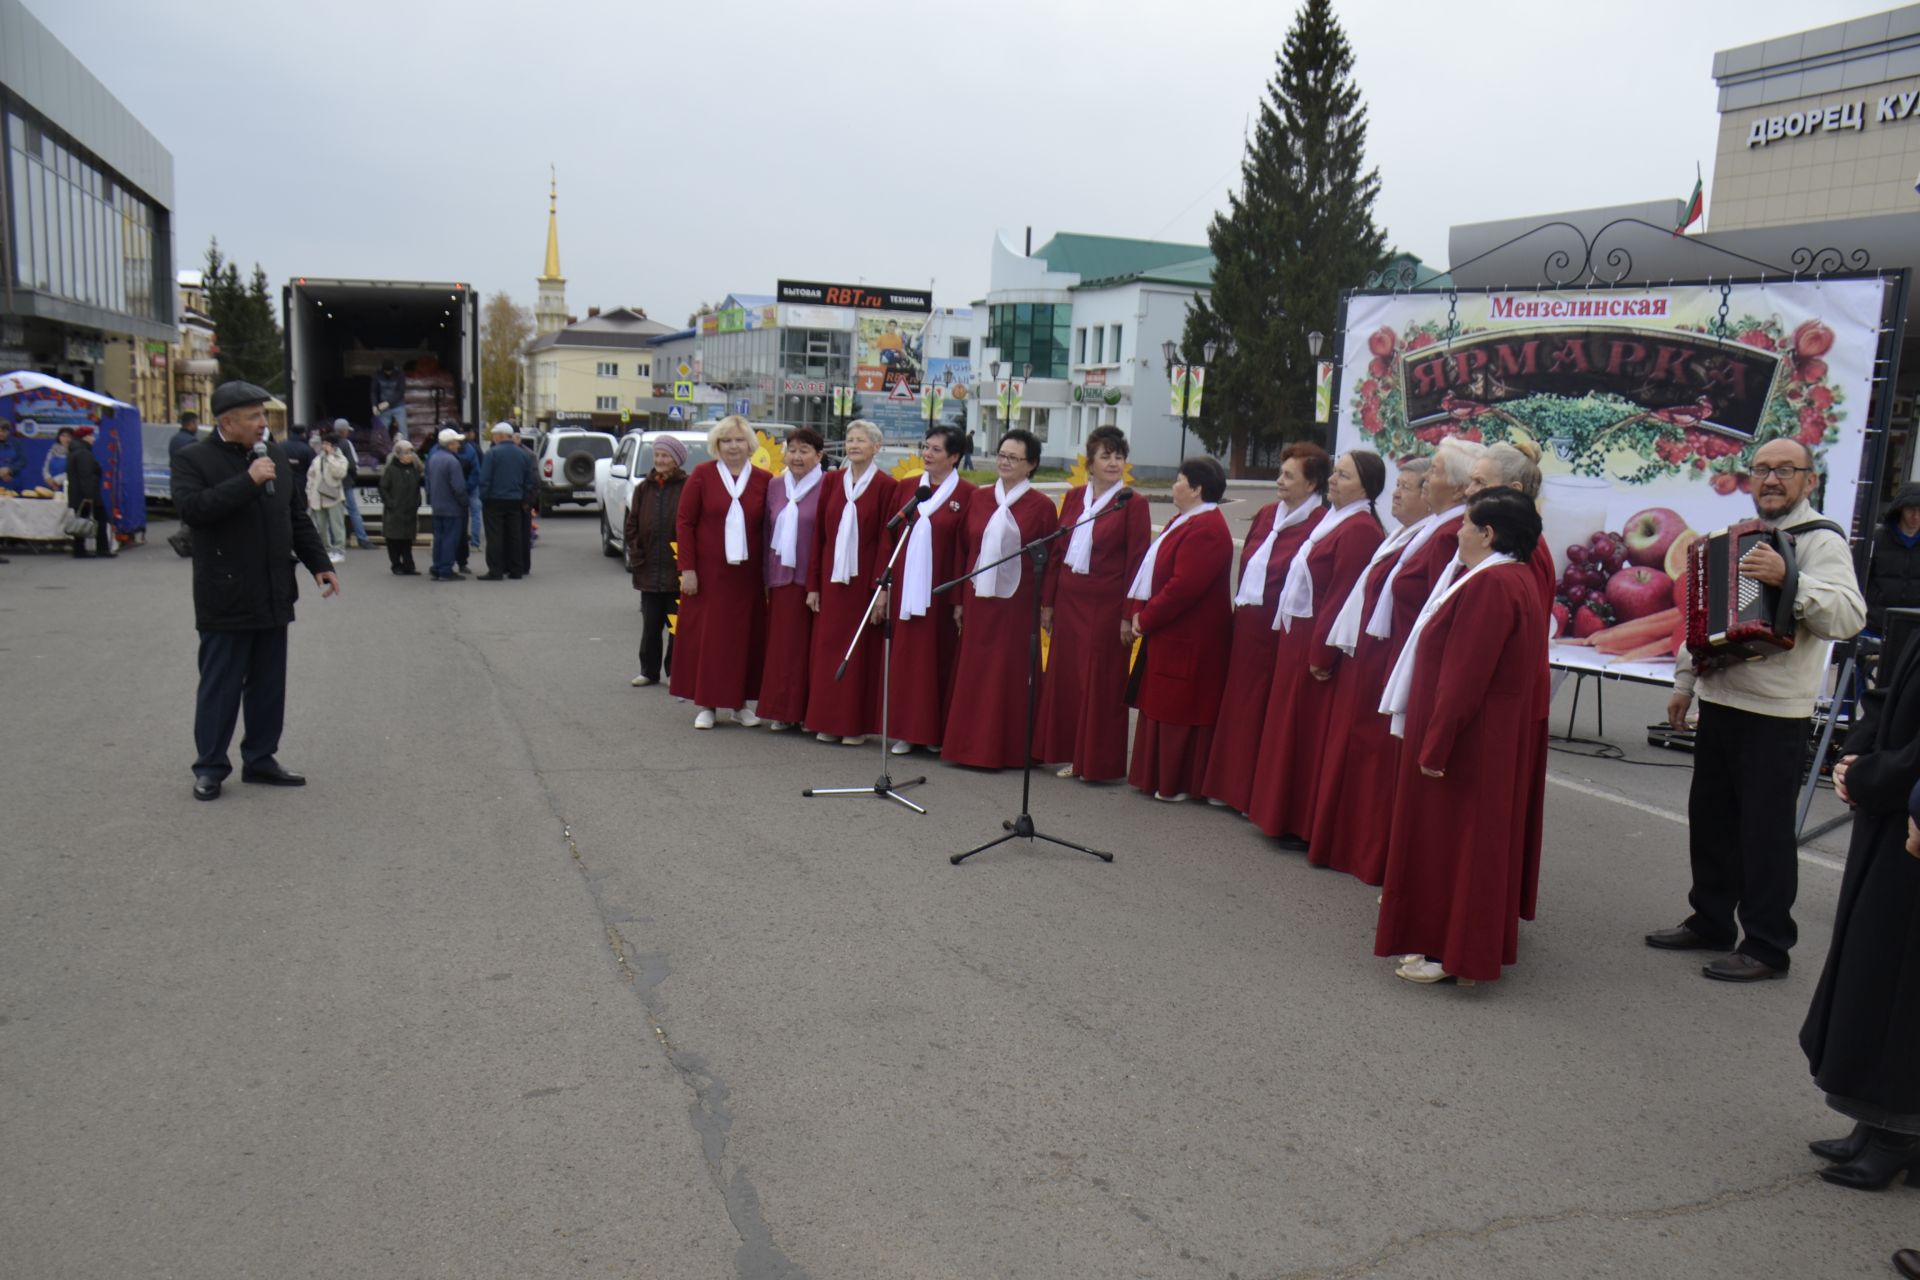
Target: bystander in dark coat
{"type": "Point", "coordinates": [1892, 576]}
{"type": "Point", "coordinates": [400, 481]}
{"type": "Point", "coordinates": [87, 495]}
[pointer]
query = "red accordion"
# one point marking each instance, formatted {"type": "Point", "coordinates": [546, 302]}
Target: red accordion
{"type": "Point", "coordinates": [1734, 619]}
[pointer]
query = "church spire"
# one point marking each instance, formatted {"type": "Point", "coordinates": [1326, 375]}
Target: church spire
{"type": "Point", "coordinates": [553, 228]}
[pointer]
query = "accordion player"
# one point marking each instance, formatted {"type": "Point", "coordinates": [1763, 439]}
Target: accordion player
{"type": "Point", "coordinates": [1732, 618]}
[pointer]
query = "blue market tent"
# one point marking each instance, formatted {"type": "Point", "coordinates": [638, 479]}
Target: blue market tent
{"type": "Point", "coordinates": [38, 406]}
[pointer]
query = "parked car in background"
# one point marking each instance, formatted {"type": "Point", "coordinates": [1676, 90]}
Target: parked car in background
{"type": "Point", "coordinates": [156, 460]}
{"type": "Point", "coordinates": [615, 478]}
{"type": "Point", "coordinates": [565, 461]}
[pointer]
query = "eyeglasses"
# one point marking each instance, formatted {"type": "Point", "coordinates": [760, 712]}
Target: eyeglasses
{"type": "Point", "coordinates": [1762, 471]}
{"type": "Point", "coordinates": [1011, 457]}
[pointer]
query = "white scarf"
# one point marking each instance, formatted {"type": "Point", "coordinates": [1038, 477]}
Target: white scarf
{"type": "Point", "coordinates": [1253, 578]}
{"type": "Point", "coordinates": [916, 584]}
{"type": "Point", "coordinates": [1399, 690]}
{"type": "Point", "coordinates": [736, 514]}
{"type": "Point", "coordinates": [1380, 625]}
{"type": "Point", "coordinates": [999, 540]}
{"type": "Point", "coordinates": [1296, 593]}
{"type": "Point", "coordinates": [786, 525]}
{"type": "Point", "coordinates": [846, 541]}
{"type": "Point", "coordinates": [1080, 545]}
{"type": "Point", "coordinates": [1346, 625]}
{"type": "Point", "coordinates": [1142, 588]}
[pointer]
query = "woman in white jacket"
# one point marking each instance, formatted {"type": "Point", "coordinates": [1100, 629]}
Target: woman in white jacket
{"type": "Point", "coordinates": [327, 496]}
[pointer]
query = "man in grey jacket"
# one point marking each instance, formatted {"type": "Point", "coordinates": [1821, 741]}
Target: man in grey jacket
{"type": "Point", "coordinates": [1755, 720]}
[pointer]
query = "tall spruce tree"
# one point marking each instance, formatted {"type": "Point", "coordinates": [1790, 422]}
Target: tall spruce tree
{"type": "Point", "coordinates": [246, 332]}
{"type": "Point", "coordinates": [1299, 230]}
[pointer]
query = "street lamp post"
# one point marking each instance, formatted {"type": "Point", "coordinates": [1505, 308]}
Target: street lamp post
{"type": "Point", "coordinates": [1315, 340]}
{"type": "Point", "coordinates": [1171, 354]}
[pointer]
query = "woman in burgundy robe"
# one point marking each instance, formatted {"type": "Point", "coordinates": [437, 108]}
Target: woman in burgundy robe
{"type": "Point", "coordinates": [987, 723]}
{"type": "Point", "coordinates": [1083, 702]}
{"type": "Point", "coordinates": [790, 539]}
{"type": "Point", "coordinates": [926, 639]}
{"type": "Point", "coordinates": [1304, 469]}
{"type": "Point", "coordinates": [722, 587]}
{"type": "Point", "coordinates": [1293, 742]}
{"type": "Point", "coordinates": [840, 581]}
{"type": "Point", "coordinates": [1352, 809]}
{"type": "Point", "coordinates": [1460, 861]}
{"type": "Point", "coordinates": [1183, 613]}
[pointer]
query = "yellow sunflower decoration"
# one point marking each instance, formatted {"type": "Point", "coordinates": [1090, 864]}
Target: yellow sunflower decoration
{"type": "Point", "coordinates": [1079, 476]}
{"type": "Point", "coordinates": [911, 465]}
{"type": "Point", "coordinates": [768, 454]}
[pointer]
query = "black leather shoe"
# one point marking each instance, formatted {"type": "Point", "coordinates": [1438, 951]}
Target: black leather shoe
{"type": "Point", "coordinates": [1740, 968]}
{"type": "Point", "coordinates": [1887, 1156]}
{"type": "Point", "coordinates": [1907, 1263]}
{"type": "Point", "coordinates": [1841, 1150]}
{"type": "Point", "coordinates": [1681, 938]}
{"type": "Point", "coordinates": [206, 788]}
{"type": "Point", "coordinates": [273, 776]}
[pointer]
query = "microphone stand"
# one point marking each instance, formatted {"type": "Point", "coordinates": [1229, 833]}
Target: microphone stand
{"type": "Point", "coordinates": [1020, 827]}
{"type": "Point", "coordinates": [884, 786]}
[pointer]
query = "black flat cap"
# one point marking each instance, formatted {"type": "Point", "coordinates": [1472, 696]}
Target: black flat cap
{"type": "Point", "coordinates": [238, 395]}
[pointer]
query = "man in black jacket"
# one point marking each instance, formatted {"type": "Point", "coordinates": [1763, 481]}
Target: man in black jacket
{"type": "Point", "coordinates": [249, 523]}
{"type": "Point", "coordinates": [1891, 579]}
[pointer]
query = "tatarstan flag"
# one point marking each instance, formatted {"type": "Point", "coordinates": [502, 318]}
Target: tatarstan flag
{"type": "Point", "coordinates": [1696, 204]}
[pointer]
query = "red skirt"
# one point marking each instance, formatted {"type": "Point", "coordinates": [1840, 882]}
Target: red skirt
{"type": "Point", "coordinates": [1243, 711]}
{"type": "Point", "coordinates": [1353, 809]}
{"type": "Point", "coordinates": [1083, 701]}
{"type": "Point", "coordinates": [721, 639]}
{"type": "Point", "coordinates": [1169, 759]}
{"type": "Point", "coordinates": [1286, 770]}
{"type": "Point", "coordinates": [783, 675]}
{"type": "Point", "coordinates": [987, 723]}
{"type": "Point", "coordinates": [849, 706]}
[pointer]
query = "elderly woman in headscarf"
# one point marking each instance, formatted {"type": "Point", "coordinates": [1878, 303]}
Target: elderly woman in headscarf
{"type": "Point", "coordinates": [722, 586]}
{"type": "Point", "coordinates": [400, 480]}
{"type": "Point", "coordinates": [987, 723]}
{"type": "Point", "coordinates": [648, 538]}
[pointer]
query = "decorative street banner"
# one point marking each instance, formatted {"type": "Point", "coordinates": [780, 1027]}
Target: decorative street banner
{"type": "Point", "coordinates": [1177, 383]}
{"type": "Point", "coordinates": [949, 382]}
{"type": "Point", "coordinates": [1646, 406]}
{"type": "Point", "coordinates": [1323, 391]}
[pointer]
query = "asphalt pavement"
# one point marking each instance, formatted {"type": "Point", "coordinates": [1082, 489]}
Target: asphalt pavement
{"type": "Point", "coordinates": [535, 980]}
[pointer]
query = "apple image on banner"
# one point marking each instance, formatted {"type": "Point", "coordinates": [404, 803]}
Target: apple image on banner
{"type": "Point", "coordinates": [1637, 591]}
{"type": "Point", "coordinates": [1650, 533]}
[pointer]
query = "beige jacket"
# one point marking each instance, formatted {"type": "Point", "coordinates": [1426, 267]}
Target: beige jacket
{"type": "Point", "coordinates": [1828, 607]}
{"type": "Point", "coordinates": [326, 480]}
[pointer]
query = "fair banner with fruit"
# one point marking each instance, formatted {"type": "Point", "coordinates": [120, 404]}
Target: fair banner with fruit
{"type": "Point", "coordinates": [1646, 406]}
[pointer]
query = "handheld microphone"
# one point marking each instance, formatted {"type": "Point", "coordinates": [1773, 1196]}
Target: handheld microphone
{"type": "Point", "coordinates": [906, 513]}
{"type": "Point", "coordinates": [260, 451]}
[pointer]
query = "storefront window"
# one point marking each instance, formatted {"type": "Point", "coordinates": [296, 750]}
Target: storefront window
{"type": "Point", "coordinates": [1035, 333]}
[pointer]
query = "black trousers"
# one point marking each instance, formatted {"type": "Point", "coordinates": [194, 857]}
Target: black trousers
{"type": "Point", "coordinates": [400, 554]}
{"type": "Point", "coordinates": [239, 668]}
{"type": "Point", "coordinates": [506, 529]}
{"type": "Point", "coordinates": [1740, 818]}
{"type": "Point", "coordinates": [655, 608]}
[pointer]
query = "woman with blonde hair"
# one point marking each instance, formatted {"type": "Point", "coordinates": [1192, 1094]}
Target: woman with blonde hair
{"type": "Point", "coordinates": [847, 553]}
{"type": "Point", "coordinates": [722, 592]}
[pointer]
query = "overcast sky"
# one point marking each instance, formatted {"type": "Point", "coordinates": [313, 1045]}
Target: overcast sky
{"type": "Point", "coordinates": [715, 147]}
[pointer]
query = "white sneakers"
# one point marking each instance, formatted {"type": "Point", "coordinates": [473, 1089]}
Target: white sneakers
{"type": "Point", "coordinates": [778, 726]}
{"type": "Point", "coordinates": [901, 748]}
{"type": "Point", "coordinates": [855, 740]}
{"type": "Point", "coordinates": [1421, 969]}
{"type": "Point", "coordinates": [705, 719]}
{"type": "Point", "coordinates": [824, 737]}
{"type": "Point", "coordinates": [1065, 771]}
{"type": "Point", "coordinates": [338, 557]}
{"type": "Point", "coordinates": [744, 716]}
{"type": "Point", "coordinates": [1176, 798]}
{"type": "Point", "coordinates": [641, 682]}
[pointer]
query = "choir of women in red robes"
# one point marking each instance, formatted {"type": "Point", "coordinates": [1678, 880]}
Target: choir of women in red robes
{"type": "Point", "coordinates": [1279, 530]}
{"type": "Point", "coordinates": [1512, 466]}
{"type": "Point", "coordinates": [1083, 701]}
{"type": "Point", "coordinates": [1182, 612]}
{"type": "Point", "coordinates": [1293, 740]}
{"type": "Point", "coordinates": [1462, 857]}
{"type": "Point", "coordinates": [722, 586]}
{"type": "Point", "coordinates": [793, 513]}
{"type": "Point", "coordinates": [987, 727]}
{"type": "Point", "coordinates": [847, 554]}
{"type": "Point", "coordinates": [926, 637]}
{"type": "Point", "coordinates": [1351, 809]}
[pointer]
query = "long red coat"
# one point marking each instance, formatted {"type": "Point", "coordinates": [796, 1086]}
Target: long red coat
{"type": "Point", "coordinates": [1463, 860]}
{"type": "Point", "coordinates": [1352, 808]}
{"type": "Point", "coordinates": [849, 706]}
{"type": "Point", "coordinates": [1293, 742]}
{"type": "Point", "coordinates": [722, 628]}
{"type": "Point", "coordinates": [783, 673]}
{"type": "Point", "coordinates": [925, 648]}
{"type": "Point", "coordinates": [1083, 702]}
{"type": "Point", "coordinates": [987, 721]}
{"type": "Point", "coordinates": [1188, 625]}
{"type": "Point", "coordinates": [1236, 734]}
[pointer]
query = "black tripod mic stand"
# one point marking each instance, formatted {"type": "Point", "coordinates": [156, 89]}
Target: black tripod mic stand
{"type": "Point", "coordinates": [884, 786]}
{"type": "Point", "coordinates": [1020, 826]}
